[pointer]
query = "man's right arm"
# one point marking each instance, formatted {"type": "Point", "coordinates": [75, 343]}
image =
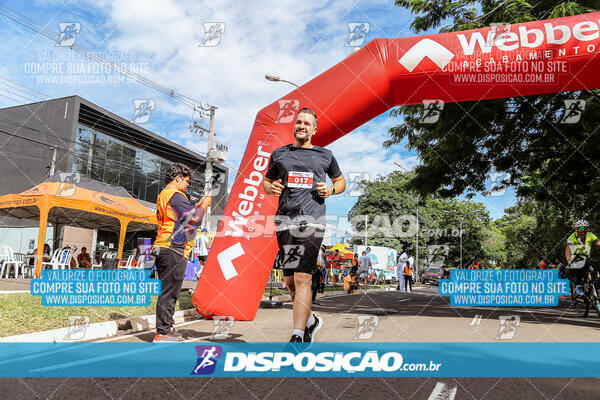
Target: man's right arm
{"type": "Point", "coordinates": [273, 187]}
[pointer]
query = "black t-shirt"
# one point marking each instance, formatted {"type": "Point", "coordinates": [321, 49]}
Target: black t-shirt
{"type": "Point", "coordinates": [300, 169]}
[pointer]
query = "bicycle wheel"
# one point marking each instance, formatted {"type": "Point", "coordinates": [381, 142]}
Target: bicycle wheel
{"type": "Point", "coordinates": [595, 300]}
{"type": "Point", "coordinates": [580, 303]}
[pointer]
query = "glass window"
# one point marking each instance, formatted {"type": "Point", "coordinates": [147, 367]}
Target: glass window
{"type": "Point", "coordinates": [82, 150]}
{"type": "Point", "coordinates": [151, 168]}
{"type": "Point", "coordinates": [99, 156]}
{"type": "Point", "coordinates": [139, 179]}
{"type": "Point", "coordinates": [127, 168]}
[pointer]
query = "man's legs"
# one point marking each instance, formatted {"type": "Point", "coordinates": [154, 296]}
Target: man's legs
{"type": "Point", "coordinates": [302, 300]}
{"type": "Point", "coordinates": [290, 285]}
{"type": "Point", "coordinates": [171, 270]}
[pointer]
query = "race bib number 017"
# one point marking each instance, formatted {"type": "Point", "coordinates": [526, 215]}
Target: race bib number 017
{"type": "Point", "coordinates": [302, 180]}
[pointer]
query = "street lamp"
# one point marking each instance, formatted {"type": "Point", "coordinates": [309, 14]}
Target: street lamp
{"type": "Point", "coordinates": [275, 78]}
{"type": "Point", "coordinates": [418, 228]}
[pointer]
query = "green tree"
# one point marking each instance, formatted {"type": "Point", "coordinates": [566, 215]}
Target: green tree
{"type": "Point", "coordinates": [391, 206]}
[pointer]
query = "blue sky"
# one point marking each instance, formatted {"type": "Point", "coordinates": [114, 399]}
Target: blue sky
{"type": "Point", "coordinates": [160, 39]}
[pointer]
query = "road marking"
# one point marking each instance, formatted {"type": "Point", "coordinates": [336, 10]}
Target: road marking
{"type": "Point", "coordinates": [476, 320]}
{"type": "Point", "coordinates": [226, 257]}
{"type": "Point", "coordinates": [441, 391]}
{"type": "Point", "coordinates": [399, 301]}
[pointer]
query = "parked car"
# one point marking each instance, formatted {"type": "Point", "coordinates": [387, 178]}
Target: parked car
{"type": "Point", "coordinates": [433, 275]}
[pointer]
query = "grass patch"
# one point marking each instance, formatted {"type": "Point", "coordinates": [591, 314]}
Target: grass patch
{"type": "Point", "coordinates": [22, 313]}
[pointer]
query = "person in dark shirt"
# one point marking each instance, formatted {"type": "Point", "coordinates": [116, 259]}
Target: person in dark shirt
{"type": "Point", "coordinates": [297, 174]}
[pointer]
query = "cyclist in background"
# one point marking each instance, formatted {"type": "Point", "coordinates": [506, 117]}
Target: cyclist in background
{"type": "Point", "coordinates": [580, 243]}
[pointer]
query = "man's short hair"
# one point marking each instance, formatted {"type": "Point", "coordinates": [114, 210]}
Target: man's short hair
{"type": "Point", "coordinates": [309, 111]}
{"type": "Point", "coordinates": [178, 169]}
{"type": "Point", "coordinates": [364, 253]}
{"type": "Point", "coordinates": [83, 249]}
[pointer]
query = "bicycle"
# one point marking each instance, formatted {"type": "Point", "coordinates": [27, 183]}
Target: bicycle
{"type": "Point", "coordinates": [590, 284]}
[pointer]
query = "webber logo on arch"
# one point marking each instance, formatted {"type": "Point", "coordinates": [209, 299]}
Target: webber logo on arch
{"type": "Point", "coordinates": [579, 38]}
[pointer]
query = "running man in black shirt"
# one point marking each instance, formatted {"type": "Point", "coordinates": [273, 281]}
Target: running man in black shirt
{"type": "Point", "coordinates": [297, 174]}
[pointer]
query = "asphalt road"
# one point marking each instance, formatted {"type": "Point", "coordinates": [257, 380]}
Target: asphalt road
{"type": "Point", "coordinates": [421, 316]}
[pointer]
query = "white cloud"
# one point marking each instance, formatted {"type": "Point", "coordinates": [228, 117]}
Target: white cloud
{"type": "Point", "coordinates": [296, 40]}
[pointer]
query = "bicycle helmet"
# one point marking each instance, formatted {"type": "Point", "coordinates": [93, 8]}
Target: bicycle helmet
{"type": "Point", "coordinates": [582, 222]}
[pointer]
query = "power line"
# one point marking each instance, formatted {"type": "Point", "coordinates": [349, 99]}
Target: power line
{"type": "Point", "coordinates": [21, 90]}
{"type": "Point", "coordinates": [24, 21]}
{"type": "Point", "coordinates": [16, 94]}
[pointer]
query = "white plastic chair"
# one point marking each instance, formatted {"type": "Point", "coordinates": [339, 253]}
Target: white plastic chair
{"type": "Point", "coordinates": [10, 259]}
{"type": "Point", "coordinates": [99, 266]}
{"type": "Point", "coordinates": [2, 261]}
{"type": "Point", "coordinates": [129, 263]}
{"type": "Point", "coordinates": [53, 260]}
{"type": "Point", "coordinates": [61, 259]}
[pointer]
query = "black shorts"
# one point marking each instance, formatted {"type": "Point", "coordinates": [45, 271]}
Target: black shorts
{"type": "Point", "coordinates": [299, 249]}
{"type": "Point", "coordinates": [202, 258]}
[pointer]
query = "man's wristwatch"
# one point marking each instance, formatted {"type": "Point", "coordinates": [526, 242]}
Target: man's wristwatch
{"type": "Point", "coordinates": [332, 190]}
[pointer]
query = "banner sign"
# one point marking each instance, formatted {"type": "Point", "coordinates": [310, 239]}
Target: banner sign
{"type": "Point", "coordinates": [204, 359]}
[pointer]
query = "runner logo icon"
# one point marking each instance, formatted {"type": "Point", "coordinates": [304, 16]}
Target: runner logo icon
{"type": "Point", "coordinates": [357, 34]}
{"type": "Point", "coordinates": [207, 359]}
{"type": "Point", "coordinates": [68, 33]}
{"type": "Point", "coordinates": [573, 110]}
{"type": "Point", "coordinates": [287, 111]}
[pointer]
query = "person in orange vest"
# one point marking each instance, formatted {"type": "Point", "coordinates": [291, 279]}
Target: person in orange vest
{"type": "Point", "coordinates": [408, 274]}
{"type": "Point", "coordinates": [541, 263]}
{"type": "Point", "coordinates": [474, 265]}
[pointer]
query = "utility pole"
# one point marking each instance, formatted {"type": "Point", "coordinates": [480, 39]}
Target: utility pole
{"type": "Point", "coordinates": [461, 221]}
{"type": "Point", "coordinates": [53, 160]}
{"type": "Point", "coordinates": [209, 171]}
{"type": "Point", "coordinates": [417, 246]}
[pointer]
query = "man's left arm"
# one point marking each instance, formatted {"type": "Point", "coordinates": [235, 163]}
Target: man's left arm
{"type": "Point", "coordinates": [337, 179]}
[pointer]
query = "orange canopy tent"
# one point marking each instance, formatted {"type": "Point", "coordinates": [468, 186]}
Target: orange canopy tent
{"type": "Point", "coordinates": [71, 199]}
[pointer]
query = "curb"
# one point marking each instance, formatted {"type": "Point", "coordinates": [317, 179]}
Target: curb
{"type": "Point", "coordinates": [98, 330]}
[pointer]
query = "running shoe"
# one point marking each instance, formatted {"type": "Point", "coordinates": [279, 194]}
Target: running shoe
{"type": "Point", "coordinates": [579, 290]}
{"type": "Point", "coordinates": [296, 339]}
{"type": "Point", "coordinates": [158, 338]}
{"type": "Point", "coordinates": [311, 331]}
{"type": "Point", "coordinates": [175, 333]}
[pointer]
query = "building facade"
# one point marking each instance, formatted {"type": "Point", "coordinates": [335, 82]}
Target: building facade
{"type": "Point", "coordinates": [71, 134]}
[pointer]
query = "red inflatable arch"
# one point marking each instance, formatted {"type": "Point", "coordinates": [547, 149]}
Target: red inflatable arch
{"type": "Point", "coordinates": [506, 61]}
